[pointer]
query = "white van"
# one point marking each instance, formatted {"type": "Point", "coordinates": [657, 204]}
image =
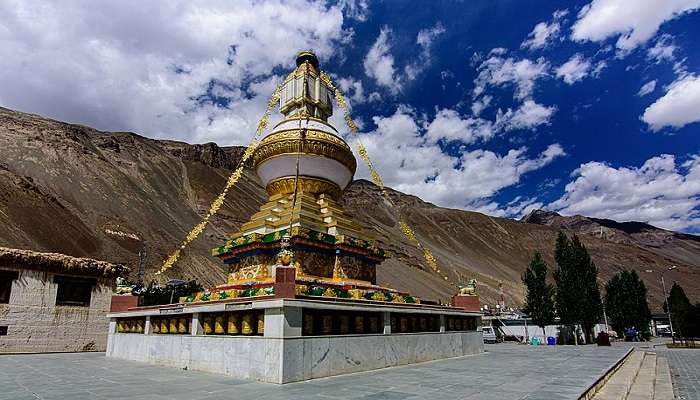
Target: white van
{"type": "Point", "coordinates": [488, 334]}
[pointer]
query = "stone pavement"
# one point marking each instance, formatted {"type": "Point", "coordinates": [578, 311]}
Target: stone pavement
{"type": "Point", "coordinates": [685, 372]}
{"type": "Point", "coordinates": [506, 371]}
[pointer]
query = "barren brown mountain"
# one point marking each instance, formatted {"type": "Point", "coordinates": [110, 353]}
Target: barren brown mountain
{"type": "Point", "coordinates": [75, 190]}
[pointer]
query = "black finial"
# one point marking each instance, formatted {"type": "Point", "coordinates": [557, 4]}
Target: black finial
{"type": "Point", "coordinates": [307, 55]}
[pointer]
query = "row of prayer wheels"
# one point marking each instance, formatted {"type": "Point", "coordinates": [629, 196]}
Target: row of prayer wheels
{"type": "Point", "coordinates": [236, 323]}
{"type": "Point", "coordinates": [319, 323]}
{"type": "Point", "coordinates": [179, 325]}
{"type": "Point", "coordinates": [135, 325]}
{"type": "Point", "coordinates": [403, 323]}
{"type": "Point", "coordinates": [460, 323]}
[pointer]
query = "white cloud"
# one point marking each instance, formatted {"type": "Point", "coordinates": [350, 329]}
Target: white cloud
{"type": "Point", "coordinates": [353, 89]}
{"type": "Point", "coordinates": [659, 192]}
{"type": "Point", "coordinates": [663, 49]}
{"type": "Point", "coordinates": [575, 69]}
{"type": "Point", "coordinates": [678, 107]}
{"type": "Point", "coordinates": [424, 39]}
{"type": "Point", "coordinates": [379, 62]}
{"type": "Point", "coordinates": [528, 116]}
{"type": "Point", "coordinates": [413, 163]}
{"type": "Point", "coordinates": [647, 88]}
{"type": "Point", "coordinates": [500, 71]}
{"type": "Point", "coordinates": [634, 21]}
{"type": "Point", "coordinates": [144, 66]}
{"type": "Point", "coordinates": [450, 126]}
{"type": "Point", "coordinates": [544, 33]}
{"type": "Point", "coordinates": [355, 9]}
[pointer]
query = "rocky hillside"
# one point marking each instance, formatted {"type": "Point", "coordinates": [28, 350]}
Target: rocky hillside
{"type": "Point", "coordinates": [72, 189]}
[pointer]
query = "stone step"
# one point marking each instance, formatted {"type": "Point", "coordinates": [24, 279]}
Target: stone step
{"type": "Point", "coordinates": [643, 386]}
{"type": "Point", "coordinates": [618, 386]}
{"type": "Point", "coordinates": [663, 388]}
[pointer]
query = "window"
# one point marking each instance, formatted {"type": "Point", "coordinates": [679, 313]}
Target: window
{"type": "Point", "coordinates": [74, 291]}
{"type": "Point", "coordinates": [3, 330]}
{"type": "Point", "coordinates": [6, 278]}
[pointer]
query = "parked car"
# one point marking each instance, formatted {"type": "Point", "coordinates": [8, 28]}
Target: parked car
{"type": "Point", "coordinates": [489, 334]}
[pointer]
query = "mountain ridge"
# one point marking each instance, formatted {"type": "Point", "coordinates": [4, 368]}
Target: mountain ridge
{"type": "Point", "coordinates": [73, 189]}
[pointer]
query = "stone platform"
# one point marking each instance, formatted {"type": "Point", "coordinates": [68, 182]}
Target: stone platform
{"type": "Point", "coordinates": [288, 340]}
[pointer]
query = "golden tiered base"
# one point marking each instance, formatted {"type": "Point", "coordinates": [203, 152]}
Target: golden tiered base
{"type": "Point", "coordinates": [318, 212]}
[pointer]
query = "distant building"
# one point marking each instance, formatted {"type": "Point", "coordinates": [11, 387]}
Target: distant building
{"type": "Point", "coordinates": [52, 302]}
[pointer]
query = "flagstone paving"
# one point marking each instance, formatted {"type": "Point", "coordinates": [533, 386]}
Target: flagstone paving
{"type": "Point", "coordinates": [505, 371]}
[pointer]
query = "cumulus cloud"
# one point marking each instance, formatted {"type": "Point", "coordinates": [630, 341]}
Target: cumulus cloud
{"type": "Point", "coordinates": [497, 71]}
{"type": "Point", "coordinates": [353, 89]}
{"type": "Point", "coordinates": [575, 69]}
{"type": "Point", "coordinates": [451, 126]}
{"type": "Point", "coordinates": [647, 88]}
{"type": "Point", "coordinates": [634, 22]}
{"type": "Point", "coordinates": [414, 163]}
{"type": "Point", "coordinates": [379, 62]}
{"type": "Point", "coordinates": [528, 116]}
{"type": "Point", "coordinates": [544, 33]}
{"type": "Point", "coordinates": [660, 192]}
{"type": "Point", "coordinates": [679, 106]}
{"type": "Point", "coordinates": [196, 72]}
{"type": "Point", "coordinates": [663, 50]}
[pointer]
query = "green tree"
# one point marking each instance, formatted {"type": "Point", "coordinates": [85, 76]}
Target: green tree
{"type": "Point", "coordinates": [576, 277]}
{"type": "Point", "coordinates": [626, 302]}
{"type": "Point", "coordinates": [539, 301]}
{"type": "Point", "coordinates": [685, 315]}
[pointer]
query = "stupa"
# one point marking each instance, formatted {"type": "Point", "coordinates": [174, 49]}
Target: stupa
{"type": "Point", "coordinates": [301, 300]}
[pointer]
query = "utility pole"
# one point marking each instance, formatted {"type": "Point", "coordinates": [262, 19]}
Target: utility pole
{"type": "Point", "coordinates": [668, 304]}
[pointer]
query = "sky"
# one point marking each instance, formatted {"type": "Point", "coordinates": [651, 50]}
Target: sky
{"type": "Point", "coordinates": [587, 107]}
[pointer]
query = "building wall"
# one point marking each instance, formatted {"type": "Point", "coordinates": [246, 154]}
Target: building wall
{"type": "Point", "coordinates": [35, 324]}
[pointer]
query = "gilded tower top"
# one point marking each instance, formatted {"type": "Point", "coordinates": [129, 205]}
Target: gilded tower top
{"type": "Point", "coordinates": [303, 92]}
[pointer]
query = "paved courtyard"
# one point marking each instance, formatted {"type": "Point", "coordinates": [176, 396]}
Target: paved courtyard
{"type": "Point", "coordinates": [685, 372]}
{"type": "Point", "coordinates": [505, 371]}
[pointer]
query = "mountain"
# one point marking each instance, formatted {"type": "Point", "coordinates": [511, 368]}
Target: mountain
{"type": "Point", "coordinates": [107, 195]}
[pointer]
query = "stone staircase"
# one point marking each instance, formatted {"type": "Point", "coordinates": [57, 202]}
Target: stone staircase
{"type": "Point", "coordinates": [643, 376]}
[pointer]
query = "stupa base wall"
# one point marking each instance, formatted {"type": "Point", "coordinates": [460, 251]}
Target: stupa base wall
{"type": "Point", "coordinates": [283, 354]}
{"type": "Point", "coordinates": [294, 359]}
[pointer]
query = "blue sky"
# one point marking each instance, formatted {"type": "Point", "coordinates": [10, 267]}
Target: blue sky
{"type": "Point", "coordinates": [583, 107]}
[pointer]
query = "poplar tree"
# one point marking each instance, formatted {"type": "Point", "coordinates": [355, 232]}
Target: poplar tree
{"type": "Point", "coordinates": [576, 277]}
{"type": "Point", "coordinates": [539, 301]}
{"type": "Point", "coordinates": [626, 302]}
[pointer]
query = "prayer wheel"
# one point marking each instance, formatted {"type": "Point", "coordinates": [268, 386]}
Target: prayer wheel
{"type": "Point", "coordinates": [234, 324]}
{"type": "Point", "coordinates": [120, 326]}
{"type": "Point", "coordinates": [139, 326]}
{"type": "Point", "coordinates": [344, 324]}
{"type": "Point", "coordinates": [394, 326]}
{"type": "Point", "coordinates": [155, 325]}
{"type": "Point", "coordinates": [414, 324]}
{"type": "Point", "coordinates": [163, 325]}
{"type": "Point", "coordinates": [373, 324]}
{"type": "Point", "coordinates": [261, 324]}
{"type": "Point", "coordinates": [403, 324]}
{"type": "Point", "coordinates": [423, 324]}
{"type": "Point", "coordinates": [207, 325]}
{"type": "Point", "coordinates": [182, 325]}
{"type": "Point", "coordinates": [247, 328]}
{"type": "Point", "coordinates": [458, 324]}
{"type": "Point", "coordinates": [219, 325]}
{"type": "Point", "coordinates": [308, 327]}
{"type": "Point", "coordinates": [450, 324]}
{"type": "Point", "coordinates": [359, 324]}
{"type": "Point", "coordinates": [172, 325]}
{"type": "Point", "coordinates": [132, 326]}
{"type": "Point", "coordinates": [327, 324]}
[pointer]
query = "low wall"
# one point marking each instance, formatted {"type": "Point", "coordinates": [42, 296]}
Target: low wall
{"type": "Point", "coordinates": [283, 360]}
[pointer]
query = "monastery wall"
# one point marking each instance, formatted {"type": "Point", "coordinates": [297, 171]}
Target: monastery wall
{"type": "Point", "coordinates": [34, 323]}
